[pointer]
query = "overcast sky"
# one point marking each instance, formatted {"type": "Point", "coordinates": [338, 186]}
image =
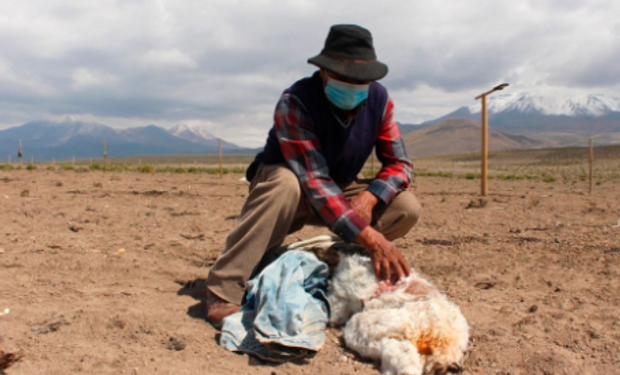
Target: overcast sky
{"type": "Point", "coordinates": [222, 64]}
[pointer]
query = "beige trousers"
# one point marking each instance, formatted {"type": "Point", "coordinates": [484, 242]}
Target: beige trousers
{"type": "Point", "coordinates": [277, 207]}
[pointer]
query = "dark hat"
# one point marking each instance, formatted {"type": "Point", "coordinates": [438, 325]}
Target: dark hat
{"type": "Point", "coordinates": [349, 52]}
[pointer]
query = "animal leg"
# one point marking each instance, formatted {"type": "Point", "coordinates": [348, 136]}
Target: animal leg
{"type": "Point", "coordinates": [400, 357]}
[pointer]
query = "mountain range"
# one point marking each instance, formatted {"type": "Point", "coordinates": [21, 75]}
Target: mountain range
{"type": "Point", "coordinates": [459, 136]}
{"type": "Point", "coordinates": [519, 120]}
{"type": "Point", "coordinates": [45, 140]}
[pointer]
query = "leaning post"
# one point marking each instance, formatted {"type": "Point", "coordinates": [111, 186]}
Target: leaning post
{"type": "Point", "coordinates": [484, 162]}
{"type": "Point", "coordinates": [20, 154]}
{"type": "Point", "coordinates": [591, 164]}
{"type": "Point", "coordinates": [219, 146]}
{"type": "Point", "coordinates": [105, 157]}
{"type": "Point", "coordinates": [484, 149]}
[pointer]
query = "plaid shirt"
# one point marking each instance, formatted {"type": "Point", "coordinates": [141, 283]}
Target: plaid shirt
{"type": "Point", "coordinates": [302, 150]}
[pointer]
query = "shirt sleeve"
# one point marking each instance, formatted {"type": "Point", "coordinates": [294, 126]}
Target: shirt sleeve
{"type": "Point", "coordinates": [395, 173]}
{"type": "Point", "coordinates": [302, 152]}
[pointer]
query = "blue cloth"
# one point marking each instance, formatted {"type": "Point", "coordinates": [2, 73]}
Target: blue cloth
{"type": "Point", "coordinates": [285, 313]}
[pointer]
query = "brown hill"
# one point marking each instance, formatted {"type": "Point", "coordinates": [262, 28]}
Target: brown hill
{"type": "Point", "coordinates": [458, 136]}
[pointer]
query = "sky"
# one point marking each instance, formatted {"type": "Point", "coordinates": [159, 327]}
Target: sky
{"type": "Point", "coordinates": [222, 64]}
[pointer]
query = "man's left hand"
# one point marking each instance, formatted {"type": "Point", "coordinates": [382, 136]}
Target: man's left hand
{"type": "Point", "coordinates": [363, 204]}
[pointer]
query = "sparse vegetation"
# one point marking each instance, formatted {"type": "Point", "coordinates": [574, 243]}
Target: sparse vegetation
{"type": "Point", "coordinates": [119, 168]}
{"type": "Point", "coordinates": [434, 174]}
{"type": "Point", "coordinates": [568, 165]}
{"type": "Point", "coordinates": [508, 177]}
{"type": "Point", "coordinates": [146, 168]}
{"type": "Point", "coordinates": [31, 167]}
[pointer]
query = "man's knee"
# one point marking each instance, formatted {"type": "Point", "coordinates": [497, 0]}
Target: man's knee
{"type": "Point", "coordinates": [410, 209]}
{"type": "Point", "coordinates": [278, 180]}
{"type": "Point", "coordinates": [400, 216]}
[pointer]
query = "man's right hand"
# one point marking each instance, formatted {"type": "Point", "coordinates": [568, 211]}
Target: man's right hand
{"type": "Point", "coordinates": [387, 260]}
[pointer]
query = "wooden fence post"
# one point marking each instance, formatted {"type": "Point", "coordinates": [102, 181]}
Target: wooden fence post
{"type": "Point", "coordinates": [20, 154]}
{"type": "Point", "coordinates": [105, 157]}
{"type": "Point", "coordinates": [591, 163]}
{"type": "Point", "coordinates": [220, 152]}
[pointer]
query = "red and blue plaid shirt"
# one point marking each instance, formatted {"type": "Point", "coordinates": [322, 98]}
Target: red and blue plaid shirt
{"type": "Point", "coordinates": [301, 149]}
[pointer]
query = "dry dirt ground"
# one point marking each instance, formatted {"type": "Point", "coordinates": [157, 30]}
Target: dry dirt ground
{"type": "Point", "coordinates": [104, 273]}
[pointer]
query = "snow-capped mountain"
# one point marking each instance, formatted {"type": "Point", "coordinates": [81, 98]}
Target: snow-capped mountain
{"type": "Point", "coordinates": [525, 102]}
{"type": "Point", "coordinates": [198, 135]}
{"type": "Point", "coordinates": [48, 139]}
{"type": "Point", "coordinates": [190, 133]}
{"type": "Point", "coordinates": [566, 122]}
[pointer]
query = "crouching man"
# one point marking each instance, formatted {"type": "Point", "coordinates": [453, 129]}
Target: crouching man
{"type": "Point", "coordinates": [325, 128]}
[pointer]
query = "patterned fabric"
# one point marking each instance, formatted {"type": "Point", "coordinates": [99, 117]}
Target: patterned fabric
{"type": "Point", "coordinates": [326, 146]}
{"type": "Point", "coordinates": [302, 151]}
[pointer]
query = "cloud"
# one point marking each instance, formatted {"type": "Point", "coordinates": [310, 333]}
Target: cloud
{"type": "Point", "coordinates": [167, 58]}
{"type": "Point", "coordinates": [84, 78]}
{"type": "Point", "coordinates": [224, 63]}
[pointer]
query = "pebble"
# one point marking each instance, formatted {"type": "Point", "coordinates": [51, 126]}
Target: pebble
{"type": "Point", "coordinates": [176, 344]}
{"type": "Point", "coordinates": [1, 250]}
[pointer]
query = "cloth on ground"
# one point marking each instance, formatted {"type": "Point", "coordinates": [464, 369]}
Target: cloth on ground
{"type": "Point", "coordinates": [285, 313]}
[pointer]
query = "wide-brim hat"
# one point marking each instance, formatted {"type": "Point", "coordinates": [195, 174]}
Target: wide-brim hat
{"type": "Point", "coordinates": [349, 52]}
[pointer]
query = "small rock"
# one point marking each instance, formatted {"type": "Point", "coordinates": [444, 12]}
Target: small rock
{"type": "Point", "coordinates": [485, 285]}
{"type": "Point", "coordinates": [176, 344]}
{"type": "Point", "coordinates": [1, 250]}
{"type": "Point", "coordinates": [533, 309]}
{"type": "Point", "coordinates": [557, 240]}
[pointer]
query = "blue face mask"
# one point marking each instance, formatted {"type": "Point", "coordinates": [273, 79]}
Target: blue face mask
{"type": "Point", "coordinates": [345, 95]}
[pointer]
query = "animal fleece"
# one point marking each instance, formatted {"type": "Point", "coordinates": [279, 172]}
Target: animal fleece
{"type": "Point", "coordinates": [411, 328]}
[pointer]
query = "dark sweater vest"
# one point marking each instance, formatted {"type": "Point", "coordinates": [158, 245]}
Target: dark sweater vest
{"type": "Point", "coordinates": [345, 149]}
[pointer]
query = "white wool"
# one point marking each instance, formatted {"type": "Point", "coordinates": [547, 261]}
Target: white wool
{"type": "Point", "coordinates": [391, 326]}
{"type": "Point", "coordinates": [400, 357]}
{"type": "Point", "coordinates": [355, 282]}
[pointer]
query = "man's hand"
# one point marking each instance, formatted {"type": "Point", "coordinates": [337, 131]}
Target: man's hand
{"type": "Point", "coordinates": [387, 260]}
{"type": "Point", "coordinates": [363, 203]}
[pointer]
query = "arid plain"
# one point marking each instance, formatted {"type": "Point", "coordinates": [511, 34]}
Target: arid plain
{"type": "Point", "coordinates": [103, 273]}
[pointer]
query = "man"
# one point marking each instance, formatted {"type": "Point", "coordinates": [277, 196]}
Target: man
{"type": "Point", "coordinates": [325, 128]}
